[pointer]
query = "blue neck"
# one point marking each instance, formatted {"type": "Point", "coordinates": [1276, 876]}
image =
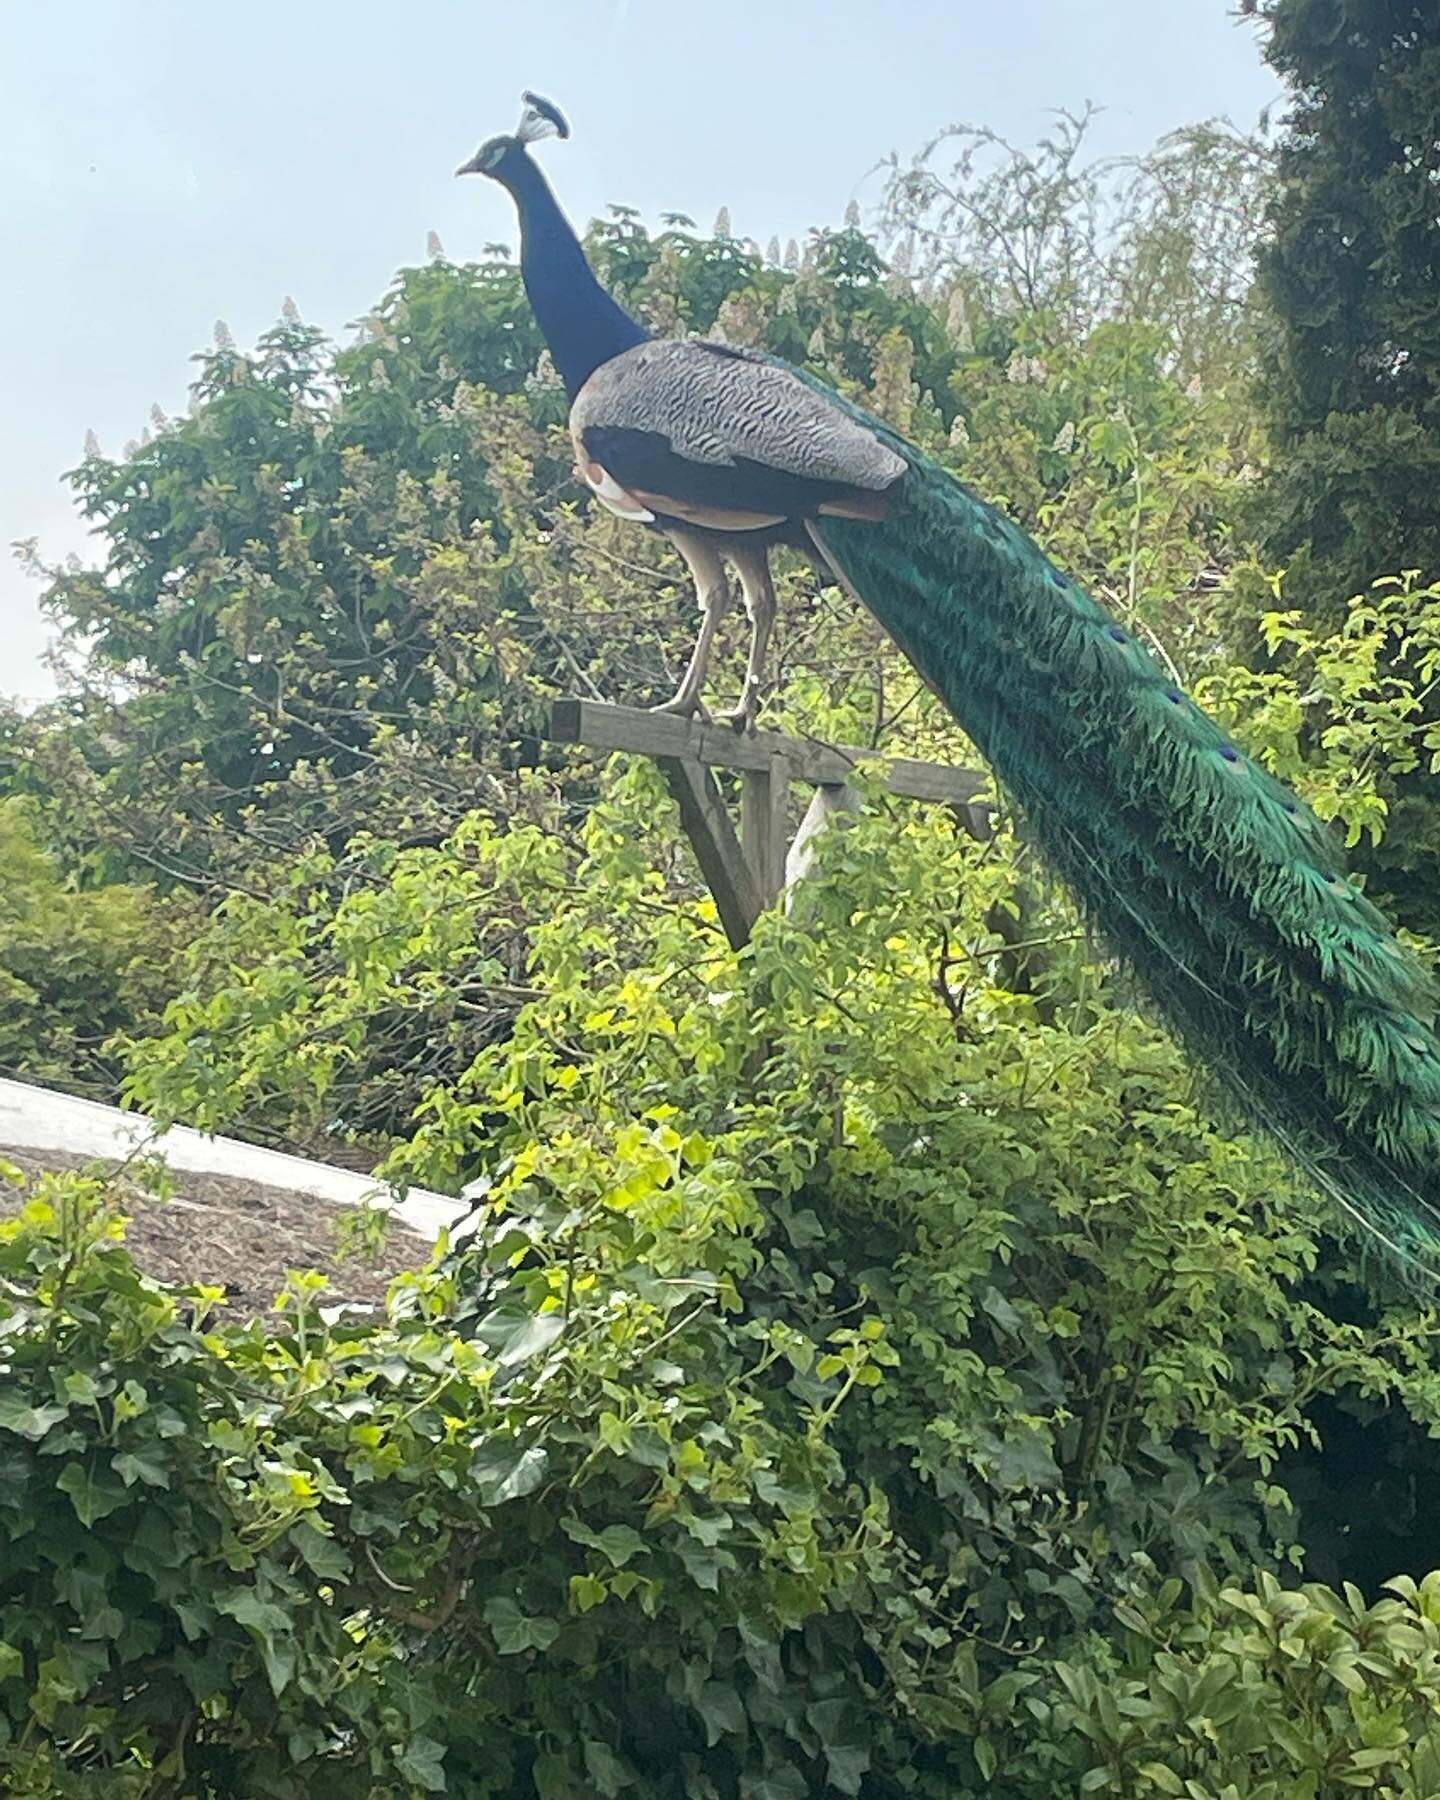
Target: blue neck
{"type": "Point", "coordinates": [582, 325]}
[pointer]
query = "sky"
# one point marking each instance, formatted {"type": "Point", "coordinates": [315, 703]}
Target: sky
{"type": "Point", "coordinates": [167, 164]}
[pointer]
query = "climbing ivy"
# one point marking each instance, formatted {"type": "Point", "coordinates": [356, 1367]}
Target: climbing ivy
{"type": "Point", "coordinates": [575, 1518]}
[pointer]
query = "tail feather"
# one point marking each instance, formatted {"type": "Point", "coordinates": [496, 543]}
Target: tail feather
{"type": "Point", "coordinates": [1224, 894]}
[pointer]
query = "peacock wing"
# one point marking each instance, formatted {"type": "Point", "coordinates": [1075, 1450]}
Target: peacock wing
{"type": "Point", "coordinates": [713, 435]}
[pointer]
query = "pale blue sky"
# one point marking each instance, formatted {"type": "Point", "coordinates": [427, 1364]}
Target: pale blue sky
{"type": "Point", "coordinates": [166, 163]}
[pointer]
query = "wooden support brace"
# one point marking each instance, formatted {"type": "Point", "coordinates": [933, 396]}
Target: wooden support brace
{"type": "Point", "coordinates": [738, 896]}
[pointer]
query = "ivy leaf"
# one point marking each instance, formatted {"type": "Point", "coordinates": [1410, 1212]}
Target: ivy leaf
{"type": "Point", "coordinates": [997, 1307]}
{"type": "Point", "coordinates": [28, 1421]}
{"type": "Point", "coordinates": [704, 1563]}
{"type": "Point", "coordinates": [803, 1228]}
{"type": "Point", "coordinates": [1024, 1461]}
{"type": "Point", "coordinates": [648, 1448]}
{"type": "Point", "coordinates": [514, 1631]}
{"type": "Point", "coordinates": [707, 1530]}
{"type": "Point", "coordinates": [587, 1591]}
{"type": "Point", "coordinates": [93, 1492]}
{"type": "Point", "coordinates": [67, 1675]}
{"type": "Point", "coordinates": [719, 1706]}
{"type": "Point", "coordinates": [535, 1334]}
{"type": "Point", "coordinates": [505, 1469]}
{"type": "Point", "coordinates": [847, 1756]}
{"type": "Point", "coordinates": [618, 1543]}
{"type": "Point", "coordinates": [166, 1422]}
{"type": "Point", "coordinates": [605, 1768]}
{"type": "Point", "coordinates": [144, 1466]}
{"type": "Point", "coordinates": [269, 1626]}
{"type": "Point", "coordinates": [320, 1553]}
{"type": "Point", "coordinates": [551, 1775]}
{"type": "Point", "coordinates": [421, 1760]}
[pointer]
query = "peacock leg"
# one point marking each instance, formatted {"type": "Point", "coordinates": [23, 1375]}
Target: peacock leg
{"type": "Point", "coordinates": [712, 585]}
{"type": "Point", "coordinates": [752, 565]}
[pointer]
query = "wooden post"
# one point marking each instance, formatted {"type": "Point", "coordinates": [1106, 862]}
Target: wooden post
{"type": "Point", "coordinates": [750, 871]}
{"type": "Point", "coordinates": [764, 825]}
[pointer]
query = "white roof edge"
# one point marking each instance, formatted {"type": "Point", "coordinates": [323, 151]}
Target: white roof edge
{"type": "Point", "coordinates": [39, 1119]}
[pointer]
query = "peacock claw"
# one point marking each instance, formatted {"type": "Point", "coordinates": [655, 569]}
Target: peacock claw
{"type": "Point", "coordinates": [682, 706]}
{"type": "Point", "coordinates": [742, 717]}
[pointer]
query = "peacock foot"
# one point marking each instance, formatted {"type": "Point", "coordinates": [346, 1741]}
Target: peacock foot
{"type": "Point", "coordinates": [743, 716]}
{"type": "Point", "coordinates": [683, 706]}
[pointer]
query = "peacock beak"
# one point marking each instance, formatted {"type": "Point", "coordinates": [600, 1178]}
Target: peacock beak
{"type": "Point", "coordinates": [470, 168]}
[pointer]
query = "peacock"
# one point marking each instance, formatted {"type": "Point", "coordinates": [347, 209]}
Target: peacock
{"type": "Point", "coordinates": [1222, 892]}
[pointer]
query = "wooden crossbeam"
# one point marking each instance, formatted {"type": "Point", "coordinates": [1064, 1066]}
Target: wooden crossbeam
{"type": "Point", "coordinates": [601, 726]}
{"type": "Point", "coordinates": [751, 871]}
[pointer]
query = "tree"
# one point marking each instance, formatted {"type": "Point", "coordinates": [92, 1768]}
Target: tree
{"type": "Point", "coordinates": [1070, 240]}
{"type": "Point", "coordinates": [1351, 349]}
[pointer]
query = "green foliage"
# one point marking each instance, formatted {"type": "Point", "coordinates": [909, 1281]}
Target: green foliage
{"type": "Point", "coordinates": [853, 1422]}
{"type": "Point", "coordinates": [1267, 1694]}
{"type": "Point", "coordinates": [77, 961]}
{"type": "Point", "coordinates": [243, 1561]}
{"type": "Point", "coordinates": [1097, 1353]}
{"type": "Point", "coordinates": [1351, 365]}
{"type": "Point", "coordinates": [1342, 712]}
{"type": "Point", "coordinates": [298, 570]}
{"type": "Point", "coordinates": [333, 1002]}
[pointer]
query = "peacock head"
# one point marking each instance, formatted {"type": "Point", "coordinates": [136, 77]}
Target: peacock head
{"type": "Point", "coordinates": [498, 157]}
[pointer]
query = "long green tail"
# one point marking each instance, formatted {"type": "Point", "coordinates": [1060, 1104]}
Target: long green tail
{"type": "Point", "coordinates": [1221, 891]}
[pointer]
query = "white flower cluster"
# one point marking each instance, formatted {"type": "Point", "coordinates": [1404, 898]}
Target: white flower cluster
{"type": "Point", "coordinates": [1022, 368]}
